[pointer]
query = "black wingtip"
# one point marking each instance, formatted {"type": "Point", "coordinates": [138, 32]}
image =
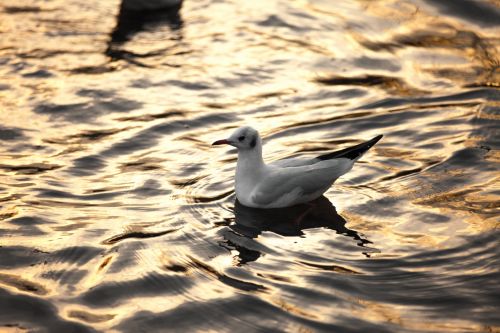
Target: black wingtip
{"type": "Point", "coordinates": [376, 139]}
{"type": "Point", "coordinates": [352, 152]}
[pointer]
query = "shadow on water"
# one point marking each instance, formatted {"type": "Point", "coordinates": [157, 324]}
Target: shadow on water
{"type": "Point", "coordinates": [477, 12]}
{"type": "Point", "coordinates": [292, 221]}
{"type": "Point", "coordinates": [136, 16]}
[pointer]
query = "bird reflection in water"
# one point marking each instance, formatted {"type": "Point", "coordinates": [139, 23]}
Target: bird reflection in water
{"type": "Point", "coordinates": [142, 15]}
{"type": "Point", "coordinates": [250, 222]}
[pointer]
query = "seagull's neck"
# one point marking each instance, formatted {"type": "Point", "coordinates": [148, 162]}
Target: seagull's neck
{"type": "Point", "coordinates": [250, 162]}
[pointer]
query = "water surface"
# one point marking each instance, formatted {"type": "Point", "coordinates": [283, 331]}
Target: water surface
{"type": "Point", "coordinates": [117, 215]}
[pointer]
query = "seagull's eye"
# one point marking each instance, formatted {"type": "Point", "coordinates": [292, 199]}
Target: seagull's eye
{"type": "Point", "coordinates": [241, 138]}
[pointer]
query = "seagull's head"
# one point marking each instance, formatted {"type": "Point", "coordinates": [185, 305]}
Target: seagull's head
{"type": "Point", "coordinates": [244, 138]}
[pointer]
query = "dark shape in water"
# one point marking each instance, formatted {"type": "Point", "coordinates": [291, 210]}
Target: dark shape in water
{"type": "Point", "coordinates": [290, 221]}
{"type": "Point", "coordinates": [227, 280]}
{"type": "Point", "coordinates": [10, 133]}
{"type": "Point", "coordinates": [28, 169]}
{"type": "Point", "coordinates": [21, 9]}
{"type": "Point", "coordinates": [478, 12]}
{"type": "Point", "coordinates": [133, 18]}
{"type": "Point", "coordinates": [136, 234]}
{"type": "Point", "coordinates": [366, 80]}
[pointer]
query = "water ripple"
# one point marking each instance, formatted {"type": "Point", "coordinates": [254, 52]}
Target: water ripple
{"type": "Point", "coordinates": [117, 215]}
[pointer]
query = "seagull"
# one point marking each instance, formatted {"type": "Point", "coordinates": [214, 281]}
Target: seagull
{"type": "Point", "coordinates": [286, 182]}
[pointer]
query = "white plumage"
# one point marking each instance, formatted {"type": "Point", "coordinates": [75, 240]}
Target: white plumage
{"type": "Point", "coordinates": [286, 182]}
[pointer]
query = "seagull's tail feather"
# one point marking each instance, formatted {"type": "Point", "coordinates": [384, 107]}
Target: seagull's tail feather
{"type": "Point", "coordinates": [352, 153]}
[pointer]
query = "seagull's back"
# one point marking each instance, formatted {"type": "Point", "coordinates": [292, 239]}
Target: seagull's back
{"type": "Point", "coordinates": [291, 185]}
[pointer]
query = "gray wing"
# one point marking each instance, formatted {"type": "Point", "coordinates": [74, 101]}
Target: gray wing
{"type": "Point", "coordinates": [294, 162]}
{"type": "Point", "coordinates": [352, 153]}
{"type": "Point", "coordinates": [305, 180]}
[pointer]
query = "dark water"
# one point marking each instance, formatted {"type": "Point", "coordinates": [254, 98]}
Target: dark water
{"type": "Point", "coordinates": [117, 215]}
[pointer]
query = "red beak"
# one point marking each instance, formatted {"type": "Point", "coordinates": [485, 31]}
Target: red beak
{"type": "Point", "coordinates": [220, 142]}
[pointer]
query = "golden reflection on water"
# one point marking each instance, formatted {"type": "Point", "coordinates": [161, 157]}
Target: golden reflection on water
{"type": "Point", "coordinates": [396, 315]}
{"type": "Point", "coordinates": [110, 157]}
